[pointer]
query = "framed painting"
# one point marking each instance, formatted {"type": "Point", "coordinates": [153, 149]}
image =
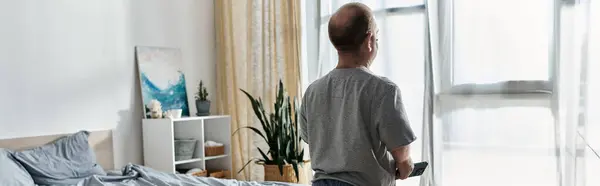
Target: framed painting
{"type": "Point", "coordinates": [162, 78]}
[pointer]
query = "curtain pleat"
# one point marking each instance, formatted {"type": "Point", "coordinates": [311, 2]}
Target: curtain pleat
{"type": "Point", "coordinates": [570, 91]}
{"type": "Point", "coordinates": [429, 97]}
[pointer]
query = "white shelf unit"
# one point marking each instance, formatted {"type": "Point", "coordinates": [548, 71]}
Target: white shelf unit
{"type": "Point", "coordinates": [159, 142]}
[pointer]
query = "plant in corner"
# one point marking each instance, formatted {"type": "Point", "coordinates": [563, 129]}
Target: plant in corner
{"type": "Point", "coordinates": [280, 132]}
{"type": "Point", "coordinates": [202, 103]}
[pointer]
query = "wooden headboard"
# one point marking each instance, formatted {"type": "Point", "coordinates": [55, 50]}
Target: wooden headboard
{"type": "Point", "coordinates": [100, 141]}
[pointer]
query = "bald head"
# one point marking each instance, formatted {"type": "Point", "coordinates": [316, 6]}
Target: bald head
{"type": "Point", "coordinates": [350, 25]}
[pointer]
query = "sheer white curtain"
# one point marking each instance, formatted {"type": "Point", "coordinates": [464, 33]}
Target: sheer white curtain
{"type": "Point", "coordinates": [496, 89]}
{"type": "Point", "coordinates": [592, 98]}
{"type": "Point", "coordinates": [513, 93]}
{"type": "Point", "coordinates": [578, 90]}
{"type": "Point", "coordinates": [494, 103]}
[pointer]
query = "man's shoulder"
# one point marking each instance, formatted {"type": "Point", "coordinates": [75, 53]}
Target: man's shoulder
{"type": "Point", "coordinates": [377, 82]}
{"type": "Point", "coordinates": [385, 83]}
{"type": "Point", "coordinates": [319, 82]}
{"type": "Point", "coordinates": [374, 82]}
{"type": "Point", "coordinates": [381, 85]}
{"type": "Point", "coordinates": [316, 83]}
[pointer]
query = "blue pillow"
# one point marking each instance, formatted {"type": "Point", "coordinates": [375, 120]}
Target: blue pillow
{"type": "Point", "coordinates": [64, 162]}
{"type": "Point", "coordinates": [11, 172]}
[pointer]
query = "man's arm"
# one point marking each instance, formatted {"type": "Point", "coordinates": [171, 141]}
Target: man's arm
{"type": "Point", "coordinates": [401, 154]}
{"type": "Point", "coordinates": [404, 164]}
{"type": "Point", "coordinates": [394, 130]}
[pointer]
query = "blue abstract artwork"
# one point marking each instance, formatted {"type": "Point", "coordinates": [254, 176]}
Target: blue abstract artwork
{"type": "Point", "coordinates": [161, 78]}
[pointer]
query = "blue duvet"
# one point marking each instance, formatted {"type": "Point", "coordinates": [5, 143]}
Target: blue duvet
{"type": "Point", "coordinates": [134, 175]}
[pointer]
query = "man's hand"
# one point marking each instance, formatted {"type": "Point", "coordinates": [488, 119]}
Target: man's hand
{"type": "Point", "coordinates": [404, 168]}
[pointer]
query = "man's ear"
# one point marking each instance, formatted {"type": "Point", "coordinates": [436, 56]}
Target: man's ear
{"type": "Point", "coordinates": [369, 41]}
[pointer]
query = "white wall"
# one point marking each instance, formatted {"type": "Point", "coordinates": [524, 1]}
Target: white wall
{"type": "Point", "coordinates": [68, 65]}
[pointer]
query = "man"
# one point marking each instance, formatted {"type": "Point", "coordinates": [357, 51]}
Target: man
{"type": "Point", "coordinates": [353, 120]}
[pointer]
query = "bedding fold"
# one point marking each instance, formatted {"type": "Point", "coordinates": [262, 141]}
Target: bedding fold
{"type": "Point", "coordinates": [137, 175]}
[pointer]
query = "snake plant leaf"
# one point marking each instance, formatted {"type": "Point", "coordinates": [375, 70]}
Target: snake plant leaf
{"type": "Point", "coordinates": [285, 143]}
{"type": "Point", "coordinates": [291, 127]}
{"type": "Point", "coordinates": [253, 129]}
{"type": "Point", "coordinates": [268, 121]}
{"type": "Point", "coordinates": [273, 146]}
{"type": "Point", "coordinates": [301, 155]}
{"type": "Point", "coordinates": [249, 161]}
{"type": "Point", "coordinates": [281, 88]}
{"type": "Point", "coordinates": [256, 106]}
{"type": "Point", "coordinates": [295, 166]}
{"type": "Point", "coordinates": [296, 108]}
{"type": "Point", "coordinates": [280, 164]}
{"type": "Point", "coordinates": [290, 151]}
{"type": "Point", "coordinates": [289, 108]}
{"type": "Point", "coordinates": [265, 157]}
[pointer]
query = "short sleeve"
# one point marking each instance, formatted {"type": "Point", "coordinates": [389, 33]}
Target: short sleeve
{"type": "Point", "coordinates": [390, 119]}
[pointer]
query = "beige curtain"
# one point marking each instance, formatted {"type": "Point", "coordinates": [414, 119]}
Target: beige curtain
{"type": "Point", "coordinates": [258, 43]}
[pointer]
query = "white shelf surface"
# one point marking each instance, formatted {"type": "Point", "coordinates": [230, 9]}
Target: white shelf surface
{"type": "Point", "coordinates": [199, 118]}
{"type": "Point", "coordinates": [215, 157]}
{"type": "Point", "coordinates": [188, 161]}
{"type": "Point", "coordinates": [200, 159]}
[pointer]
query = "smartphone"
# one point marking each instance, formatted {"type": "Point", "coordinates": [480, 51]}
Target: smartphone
{"type": "Point", "coordinates": [419, 169]}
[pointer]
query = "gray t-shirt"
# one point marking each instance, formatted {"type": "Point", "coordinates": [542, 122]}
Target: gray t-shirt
{"type": "Point", "coordinates": [351, 119]}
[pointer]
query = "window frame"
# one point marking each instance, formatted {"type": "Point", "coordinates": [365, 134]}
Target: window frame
{"type": "Point", "coordinates": [401, 10]}
{"type": "Point", "coordinates": [535, 93]}
{"type": "Point", "coordinates": [541, 88]}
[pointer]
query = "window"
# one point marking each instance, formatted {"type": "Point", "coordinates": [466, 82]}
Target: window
{"type": "Point", "coordinates": [497, 115]}
{"type": "Point", "coordinates": [492, 44]}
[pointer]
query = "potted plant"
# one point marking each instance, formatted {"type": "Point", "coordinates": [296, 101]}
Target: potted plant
{"type": "Point", "coordinates": [202, 103]}
{"type": "Point", "coordinates": [280, 132]}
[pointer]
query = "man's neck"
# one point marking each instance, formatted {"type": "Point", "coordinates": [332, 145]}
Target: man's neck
{"type": "Point", "coordinates": [351, 61]}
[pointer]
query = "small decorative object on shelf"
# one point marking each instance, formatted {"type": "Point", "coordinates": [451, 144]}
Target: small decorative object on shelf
{"type": "Point", "coordinates": [212, 148]}
{"type": "Point", "coordinates": [173, 113]}
{"type": "Point", "coordinates": [202, 103]}
{"type": "Point", "coordinates": [184, 149]}
{"type": "Point", "coordinates": [223, 174]}
{"type": "Point", "coordinates": [197, 172]}
{"type": "Point", "coordinates": [155, 109]}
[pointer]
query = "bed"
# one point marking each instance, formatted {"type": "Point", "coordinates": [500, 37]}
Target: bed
{"type": "Point", "coordinates": [84, 159]}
